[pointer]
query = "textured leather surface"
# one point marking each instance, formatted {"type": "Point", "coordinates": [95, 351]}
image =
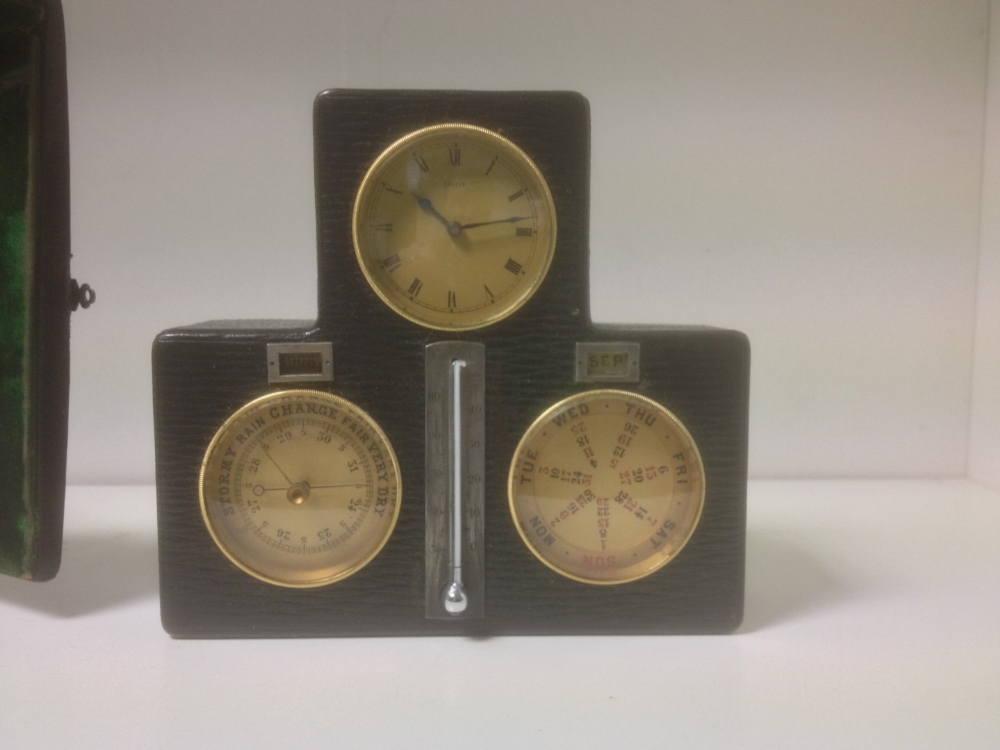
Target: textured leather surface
{"type": "Point", "coordinates": [201, 375]}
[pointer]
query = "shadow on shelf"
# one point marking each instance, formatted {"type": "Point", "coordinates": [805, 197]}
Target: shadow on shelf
{"type": "Point", "coordinates": [99, 572]}
{"type": "Point", "coordinates": [785, 582]}
{"type": "Point", "coordinates": [103, 571]}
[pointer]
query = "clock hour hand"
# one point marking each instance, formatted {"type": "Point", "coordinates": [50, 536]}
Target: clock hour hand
{"type": "Point", "coordinates": [511, 220]}
{"type": "Point", "coordinates": [453, 227]}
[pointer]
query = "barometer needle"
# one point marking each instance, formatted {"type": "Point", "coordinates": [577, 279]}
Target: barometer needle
{"type": "Point", "coordinates": [280, 470]}
{"type": "Point", "coordinates": [311, 486]}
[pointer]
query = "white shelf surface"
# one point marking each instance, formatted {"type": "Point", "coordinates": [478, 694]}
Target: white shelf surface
{"type": "Point", "coordinates": [872, 620]}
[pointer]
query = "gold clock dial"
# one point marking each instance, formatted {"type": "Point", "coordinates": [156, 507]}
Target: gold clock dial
{"type": "Point", "coordinates": [454, 227]}
{"type": "Point", "coordinates": [300, 488]}
{"type": "Point", "coordinates": [606, 487]}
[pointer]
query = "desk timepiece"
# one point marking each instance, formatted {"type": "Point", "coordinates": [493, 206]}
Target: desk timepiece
{"type": "Point", "coordinates": [452, 447]}
{"type": "Point", "coordinates": [445, 274]}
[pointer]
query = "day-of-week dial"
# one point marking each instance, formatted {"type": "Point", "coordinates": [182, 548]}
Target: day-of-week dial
{"type": "Point", "coordinates": [454, 227]}
{"type": "Point", "coordinates": [300, 488]}
{"type": "Point", "coordinates": [606, 487]}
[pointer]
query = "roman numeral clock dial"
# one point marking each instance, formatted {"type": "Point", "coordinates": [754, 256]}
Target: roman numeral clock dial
{"type": "Point", "coordinates": [454, 227]}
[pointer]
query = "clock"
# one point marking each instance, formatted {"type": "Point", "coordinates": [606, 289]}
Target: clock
{"type": "Point", "coordinates": [551, 475]}
{"type": "Point", "coordinates": [454, 227]}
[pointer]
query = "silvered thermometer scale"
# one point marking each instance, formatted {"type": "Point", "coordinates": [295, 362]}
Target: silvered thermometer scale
{"type": "Point", "coordinates": [454, 485]}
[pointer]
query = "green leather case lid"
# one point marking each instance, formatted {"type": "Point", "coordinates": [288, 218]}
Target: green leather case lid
{"type": "Point", "coordinates": [35, 288]}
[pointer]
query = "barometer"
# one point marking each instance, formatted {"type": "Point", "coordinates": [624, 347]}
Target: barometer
{"type": "Point", "coordinates": [300, 488]}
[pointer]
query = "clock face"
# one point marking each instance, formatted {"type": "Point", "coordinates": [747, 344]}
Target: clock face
{"type": "Point", "coordinates": [454, 227]}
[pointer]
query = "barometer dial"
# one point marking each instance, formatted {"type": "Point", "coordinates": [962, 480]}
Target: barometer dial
{"type": "Point", "coordinates": [300, 488]}
{"type": "Point", "coordinates": [606, 487]}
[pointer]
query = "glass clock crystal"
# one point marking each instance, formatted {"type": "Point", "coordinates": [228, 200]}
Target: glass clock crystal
{"type": "Point", "coordinates": [300, 488]}
{"type": "Point", "coordinates": [454, 227]}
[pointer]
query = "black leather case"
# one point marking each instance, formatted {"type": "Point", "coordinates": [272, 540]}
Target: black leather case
{"type": "Point", "coordinates": [204, 373]}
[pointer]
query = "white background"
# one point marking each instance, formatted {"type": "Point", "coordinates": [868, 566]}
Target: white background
{"type": "Point", "coordinates": [810, 173]}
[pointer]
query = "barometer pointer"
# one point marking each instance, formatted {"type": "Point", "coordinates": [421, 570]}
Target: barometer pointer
{"type": "Point", "coordinates": [310, 486]}
{"type": "Point", "coordinates": [267, 452]}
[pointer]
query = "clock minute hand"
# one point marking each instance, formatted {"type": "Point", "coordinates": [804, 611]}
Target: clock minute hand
{"type": "Point", "coordinates": [511, 220]}
{"type": "Point", "coordinates": [453, 227]}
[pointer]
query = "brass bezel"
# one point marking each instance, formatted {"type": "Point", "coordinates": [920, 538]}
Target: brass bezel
{"type": "Point", "coordinates": [433, 132]}
{"type": "Point", "coordinates": [587, 396]}
{"type": "Point", "coordinates": [341, 403]}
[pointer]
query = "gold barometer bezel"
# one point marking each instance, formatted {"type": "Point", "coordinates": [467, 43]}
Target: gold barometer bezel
{"type": "Point", "coordinates": [237, 542]}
